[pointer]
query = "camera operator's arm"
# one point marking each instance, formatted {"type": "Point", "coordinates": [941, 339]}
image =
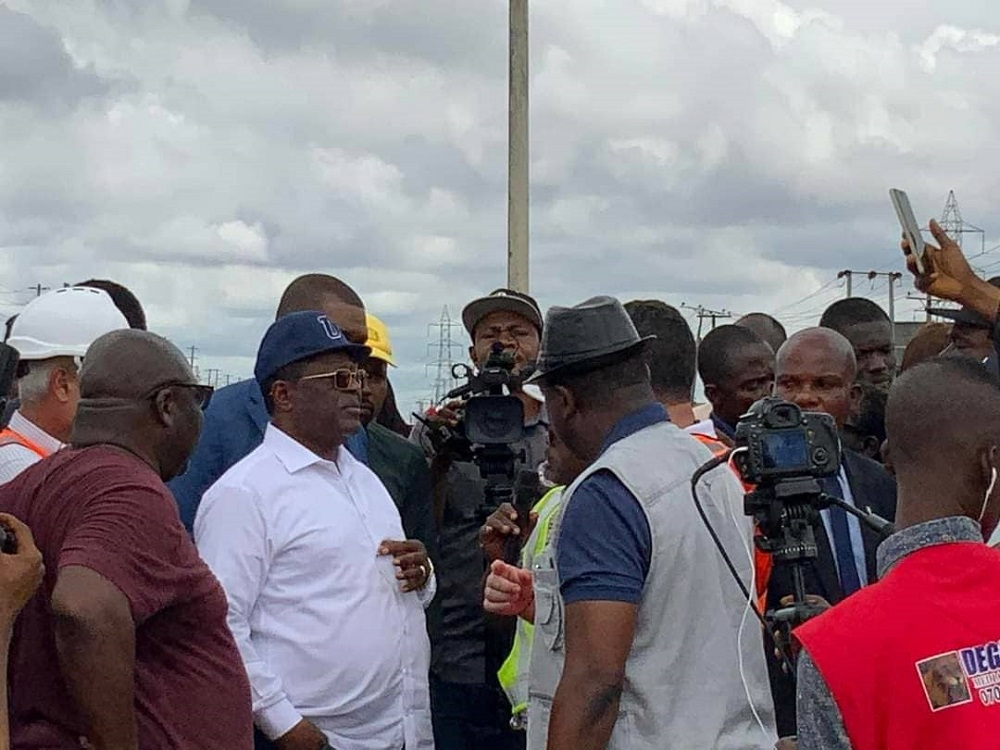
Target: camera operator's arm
{"type": "Point", "coordinates": [949, 275]}
{"type": "Point", "coordinates": [820, 725]}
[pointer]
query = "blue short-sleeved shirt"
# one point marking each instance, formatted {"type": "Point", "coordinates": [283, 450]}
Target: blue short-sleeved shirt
{"type": "Point", "coordinates": [605, 544]}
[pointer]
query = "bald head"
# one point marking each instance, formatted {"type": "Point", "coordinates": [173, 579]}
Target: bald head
{"type": "Point", "coordinates": [129, 364]}
{"type": "Point", "coordinates": [943, 425]}
{"type": "Point", "coordinates": [823, 341]}
{"type": "Point", "coordinates": [965, 413]}
{"type": "Point", "coordinates": [816, 369]}
{"type": "Point", "coordinates": [338, 301]}
{"type": "Point", "coordinates": [310, 292]}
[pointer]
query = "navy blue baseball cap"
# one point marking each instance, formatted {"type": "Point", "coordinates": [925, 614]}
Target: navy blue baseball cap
{"type": "Point", "coordinates": [300, 336]}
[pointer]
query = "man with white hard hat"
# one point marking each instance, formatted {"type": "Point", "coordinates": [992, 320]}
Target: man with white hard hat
{"type": "Point", "coordinates": [52, 334]}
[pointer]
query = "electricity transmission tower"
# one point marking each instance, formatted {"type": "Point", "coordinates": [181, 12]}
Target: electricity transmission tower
{"type": "Point", "coordinates": [444, 348]}
{"type": "Point", "coordinates": [957, 227]}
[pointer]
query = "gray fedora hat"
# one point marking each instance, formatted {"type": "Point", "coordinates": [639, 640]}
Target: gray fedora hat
{"type": "Point", "coordinates": [585, 337]}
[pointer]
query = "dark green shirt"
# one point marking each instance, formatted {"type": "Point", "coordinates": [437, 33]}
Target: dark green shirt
{"type": "Point", "coordinates": [401, 466]}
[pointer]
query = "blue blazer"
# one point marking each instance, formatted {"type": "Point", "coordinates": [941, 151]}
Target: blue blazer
{"type": "Point", "coordinates": [233, 427]}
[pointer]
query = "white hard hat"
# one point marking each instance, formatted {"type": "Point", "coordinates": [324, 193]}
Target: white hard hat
{"type": "Point", "coordinates": [64, 322]}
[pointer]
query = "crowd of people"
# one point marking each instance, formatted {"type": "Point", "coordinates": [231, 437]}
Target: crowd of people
{"type": "Point", "coordinates": [287, 563]}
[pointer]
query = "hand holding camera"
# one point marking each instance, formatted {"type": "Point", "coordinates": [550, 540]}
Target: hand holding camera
{"type": "Point", "coordinates": [21, 568]}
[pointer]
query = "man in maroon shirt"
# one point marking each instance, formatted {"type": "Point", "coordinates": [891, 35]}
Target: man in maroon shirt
{"type": "Point", "coordinates": [126, 644]}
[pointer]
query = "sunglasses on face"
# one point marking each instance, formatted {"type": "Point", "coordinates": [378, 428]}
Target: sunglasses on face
{"type": "Point", "coordinates": [202, 394]}
{"type": "Point", "coordinates": [345, 379]}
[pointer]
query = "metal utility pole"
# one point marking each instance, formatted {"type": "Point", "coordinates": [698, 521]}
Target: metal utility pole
{"type": "Point", "coordinates": [517, 149]}
{"type": "Point", "coordinates": [893, 279]}
{"type": "Point", "coordinates": [892, 276]}
{"type": "Point", "coordinates": [38, 289]}
{"type": "Point", "coordinates": [849, 275]}
{"type": "Point", "coordinates": [191, 358]}
{"type": "Point", "coordinates": [704, 313]}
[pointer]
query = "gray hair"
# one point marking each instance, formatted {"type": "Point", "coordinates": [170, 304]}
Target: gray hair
{"type": "Point", "coordinates": [33, 386]}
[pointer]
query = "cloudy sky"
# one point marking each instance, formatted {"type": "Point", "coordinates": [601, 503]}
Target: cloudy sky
{"type": "Point", "coordinates": [730, 153]}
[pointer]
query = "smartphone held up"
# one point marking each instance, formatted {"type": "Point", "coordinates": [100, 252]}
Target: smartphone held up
{"type": "Point", "coordinates": [911, 230]}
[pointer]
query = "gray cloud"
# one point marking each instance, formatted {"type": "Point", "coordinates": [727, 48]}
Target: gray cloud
{"type": "Point", "coordinates": [36, 71]}
{"type": "Point", "coordinates": [731, 153]}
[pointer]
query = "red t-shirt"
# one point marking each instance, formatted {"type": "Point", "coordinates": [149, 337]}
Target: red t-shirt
{"type": "Point", "coordinates": [103, 509]}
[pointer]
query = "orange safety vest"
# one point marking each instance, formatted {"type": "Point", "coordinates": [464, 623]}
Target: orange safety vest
{"type": "Point", "coordinates": [762, 560]}
{"type": "Point", "coordinates": [9, 437]}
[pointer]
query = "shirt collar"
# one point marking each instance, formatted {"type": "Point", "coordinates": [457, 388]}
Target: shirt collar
{"type": "Point", "coordinates": [630, 424]}
{"type": "Point", "coordinates": [928, 534]}
{"type": "Point", "coordinates": [295, 457]}
{"type": "Point", "coordinates": [29, 430]}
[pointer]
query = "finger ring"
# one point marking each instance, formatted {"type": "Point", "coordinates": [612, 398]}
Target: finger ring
{"type": "Point", "coordinates": [423, 571]}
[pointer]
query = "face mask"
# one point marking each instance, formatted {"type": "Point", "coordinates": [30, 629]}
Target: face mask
{"type": "Point", "coordinates": [986, 498]}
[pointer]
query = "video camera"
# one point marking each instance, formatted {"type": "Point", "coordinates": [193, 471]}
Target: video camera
{"type": "Point", "coordinates": [490, 422]}
{"type": "Point", "coordinates": [490, 417]}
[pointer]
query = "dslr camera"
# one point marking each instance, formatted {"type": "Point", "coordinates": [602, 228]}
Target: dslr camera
{"type": "Point", "coordinates": [784, 442]}
{"type": "Point", "coordinates": [783, 451]}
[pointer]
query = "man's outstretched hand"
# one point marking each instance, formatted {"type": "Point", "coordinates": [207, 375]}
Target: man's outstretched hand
{"type": "Point", "coordinates": [948, 275]}
{"type": "Point", "coordinates": [509, 591]}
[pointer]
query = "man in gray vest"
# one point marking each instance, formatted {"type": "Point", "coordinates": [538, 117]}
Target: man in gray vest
{"type": "Point", "coordinates": [640, 632]}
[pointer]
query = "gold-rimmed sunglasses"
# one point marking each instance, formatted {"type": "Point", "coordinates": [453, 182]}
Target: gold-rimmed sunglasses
{"type": "Point", "coordinates": [344, 379]}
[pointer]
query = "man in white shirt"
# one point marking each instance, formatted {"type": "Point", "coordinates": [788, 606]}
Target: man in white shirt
{"type": "Point", "coordinates": [325, 602]}
{"type": "Point", "coordinates": [51, 335]}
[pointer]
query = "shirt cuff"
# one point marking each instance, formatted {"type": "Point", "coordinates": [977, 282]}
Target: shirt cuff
{"type": "Point", "coordinates": [275, 721]}
{"type": "Point", "coordinates": [427, 593]}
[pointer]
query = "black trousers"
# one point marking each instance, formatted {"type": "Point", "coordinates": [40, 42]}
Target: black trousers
{"type": "Point", "coordinates": [472, 717]}
{"type": "Point", "coordinates": [260, 742]}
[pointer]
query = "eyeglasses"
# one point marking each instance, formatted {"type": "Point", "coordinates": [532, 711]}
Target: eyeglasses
{"type": "Point", "coordinates": [343, 380]}
{"type": "Point", "coordinates": [202, 394]}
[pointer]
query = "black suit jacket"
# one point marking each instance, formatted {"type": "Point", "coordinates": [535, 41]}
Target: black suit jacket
{"type": "Point", "coordinates": [873, 489]}
{"type": "Point", "coordinates": [403, 470]}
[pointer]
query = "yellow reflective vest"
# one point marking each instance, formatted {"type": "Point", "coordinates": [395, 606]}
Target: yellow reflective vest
{"type": "Point", "coordinates": [513, 675]}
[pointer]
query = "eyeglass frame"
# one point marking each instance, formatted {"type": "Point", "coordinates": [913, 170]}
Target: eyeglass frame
{"type": "Point", "coordinates": [202, 393]}
{"type": "Point", "coordinates": [357, 376]}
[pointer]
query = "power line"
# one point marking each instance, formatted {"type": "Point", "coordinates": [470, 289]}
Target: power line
{"type": "Point", "coordinates": [703, 314]}
{"type": "Point", "coordinates": [808, 297]}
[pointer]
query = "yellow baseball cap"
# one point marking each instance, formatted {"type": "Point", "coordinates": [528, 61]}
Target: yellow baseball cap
{"type": "Point", "coordinates": [378, 340]}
